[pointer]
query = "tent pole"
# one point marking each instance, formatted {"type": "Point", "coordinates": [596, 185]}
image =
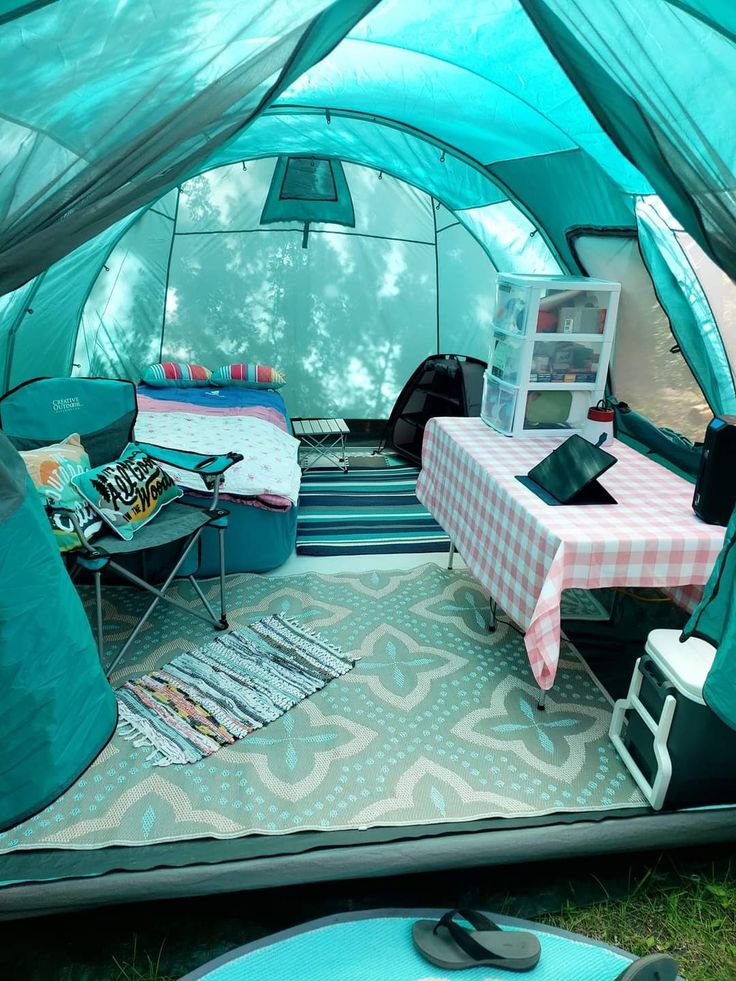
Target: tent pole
{"type": "Point", "coordinates": [168, 273]}
{"type": "Point", "coordinates": [436, 276]}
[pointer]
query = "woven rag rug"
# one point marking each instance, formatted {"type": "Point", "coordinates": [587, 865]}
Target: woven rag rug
{"type": "Point", "coordinates": [365, 513]}
{"type": "Point", "coordinates": [210, 697]}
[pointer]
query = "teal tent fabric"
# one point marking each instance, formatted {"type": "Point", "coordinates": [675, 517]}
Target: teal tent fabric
{"type": "Point", "coordinates": [672, 447]}
{"type": "Point", "coordinates": [714, 620]}
{"type": "Point", "coordinates": [58, 710]}
{"type": "Point", "coordinates": [657, 76]}
{"type": "Point", "coordinates": [135, 98]}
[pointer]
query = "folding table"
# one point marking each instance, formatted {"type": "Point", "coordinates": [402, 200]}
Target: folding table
{"type": "Point", "coordinates": [525, 552]}
{"type": "Point", "coordinates": [326, 437]}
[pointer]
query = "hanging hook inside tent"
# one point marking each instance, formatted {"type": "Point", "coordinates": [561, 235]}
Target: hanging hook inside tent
{"type": "Point", "coordinates": [328, 117]}
{"type": "Point", "coordinates": [438, 206]}
{"type": "Point", "coordinates": [442, 157]}
{"type": "Point", "coordinates": [244, 166]}
{"type": "Point", "coordinates": [533, 232]}
{"type": "Point", "coordinates": [380, 175]}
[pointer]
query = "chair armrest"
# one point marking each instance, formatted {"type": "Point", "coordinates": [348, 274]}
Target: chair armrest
{"type": "Point", "coordinates": [211, 466]}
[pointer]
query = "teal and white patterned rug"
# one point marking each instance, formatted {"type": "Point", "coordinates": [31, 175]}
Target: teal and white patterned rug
{"type": "Point", "coordinates": [436, 722]}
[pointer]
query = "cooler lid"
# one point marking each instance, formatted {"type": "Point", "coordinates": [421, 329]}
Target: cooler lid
{"type": "Point", "coordinates": [686, 665]}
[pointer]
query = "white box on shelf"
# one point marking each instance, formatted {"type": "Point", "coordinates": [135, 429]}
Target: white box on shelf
{"type": "Point", "coordinates": [549, 351]}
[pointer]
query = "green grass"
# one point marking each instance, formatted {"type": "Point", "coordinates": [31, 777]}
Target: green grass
{"type": "Point", "coordinates": [141, 967]}
{"type": "Point", "coordinates": [689, 915]}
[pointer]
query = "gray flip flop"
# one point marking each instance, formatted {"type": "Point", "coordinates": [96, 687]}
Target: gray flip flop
{"type": "Point", "coordinates": [452, 947]}
{"type": "Point", "coordinates": [655, 967]}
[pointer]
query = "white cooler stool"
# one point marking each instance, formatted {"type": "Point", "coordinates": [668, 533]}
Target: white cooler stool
{"type": "Point", "coordinates": [677, 750]}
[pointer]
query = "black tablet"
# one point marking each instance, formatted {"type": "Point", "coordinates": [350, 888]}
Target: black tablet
{"type": "Point", "coordinates": [570, 472]}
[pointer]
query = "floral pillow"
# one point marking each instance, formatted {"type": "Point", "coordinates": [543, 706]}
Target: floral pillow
{"type": "Point", "coordinates": [129, 492]}
{"type": "Point", "coordinates": [170, 373]}
{"type": "Point", "coordinates": [248, 376]}
{"type": "Point", "coordinates": [52, 468]}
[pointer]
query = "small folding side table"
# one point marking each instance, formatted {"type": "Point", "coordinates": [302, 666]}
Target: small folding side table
{"type": "Point", "coordinates": [321, 439]}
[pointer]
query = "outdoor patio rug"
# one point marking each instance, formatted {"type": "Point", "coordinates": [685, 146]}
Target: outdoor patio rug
{"type": "Point", "coordinates": [364, 513]}
{"type": "Point", "coordinates": [436, 722]}
{"type": "Point", "coordinates": [211, 697]}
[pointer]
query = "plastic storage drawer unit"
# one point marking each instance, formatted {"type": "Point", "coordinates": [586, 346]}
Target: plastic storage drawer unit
{"type": "Point", "coordinates": [677, 749]}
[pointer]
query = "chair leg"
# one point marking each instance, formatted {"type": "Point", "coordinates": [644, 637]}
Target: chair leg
{"type": "Point", "coordinates": [159, 594]}
{"type": "Point", "coordinates": [493, 619]}
{"type": "Point", "coordinates": [223, 615]}
{"type": "Point", "coordinates": [217, 624]}
{"type": "Point", "coordinates": [98, 604]}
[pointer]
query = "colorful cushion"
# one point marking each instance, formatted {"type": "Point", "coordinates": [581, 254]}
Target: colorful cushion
{"type": "Point", "coordinates": [170, 373]}
{"type": "Point", "coordinates": [51, 468]}
{"type": "Point", "coordinates": [248, 376]}
{"type": "Point", "coordinates": [128, 492]}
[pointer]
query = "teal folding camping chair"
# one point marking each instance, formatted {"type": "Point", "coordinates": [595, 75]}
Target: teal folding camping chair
{"type": "Point", "coordinates": [103, 412]}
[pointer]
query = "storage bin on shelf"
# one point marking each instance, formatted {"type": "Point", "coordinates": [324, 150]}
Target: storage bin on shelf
{"type": "Point", "coordinates": [548, 358]}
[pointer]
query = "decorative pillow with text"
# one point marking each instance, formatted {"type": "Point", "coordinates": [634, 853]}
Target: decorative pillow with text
{"type": "Point", "coordinates": [129, 492]}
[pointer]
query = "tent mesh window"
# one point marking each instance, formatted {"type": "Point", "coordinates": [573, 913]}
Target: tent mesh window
{"type": "Point", "coordinates": [306, 179]}
{"type": "Point", "coordinates": [308, 189]}
{"type": "Point", "coordinates": [442, 385]}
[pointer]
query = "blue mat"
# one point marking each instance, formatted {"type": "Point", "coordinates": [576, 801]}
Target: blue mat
{"type": "Point", "coordinates": [377, 946]}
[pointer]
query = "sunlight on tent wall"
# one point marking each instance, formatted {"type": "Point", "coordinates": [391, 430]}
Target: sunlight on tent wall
{"type": "Point", "coordinates": [347, 318]}
{"type": "Point", "coordinates": [644, 371]}
{"type": "Point", "coordinates": [686, 304]}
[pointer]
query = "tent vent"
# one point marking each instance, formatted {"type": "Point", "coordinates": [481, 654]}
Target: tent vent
{"type": "Point", "coordinates": [308, 189]}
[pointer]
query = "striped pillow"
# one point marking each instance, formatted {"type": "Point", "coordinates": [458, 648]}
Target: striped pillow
{"type": "Point", "coordinates": [170, 373]}
{"type": "Point", "coordinates": [248, 376]}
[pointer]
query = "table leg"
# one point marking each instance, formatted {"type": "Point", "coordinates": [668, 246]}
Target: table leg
{"type": "Point", "coordinates": [493, 620]}
{"type": "Point", "coordinates": [343, 453]}
{"type": "Point", "coordinates": [451, 556]}
{"type": "Point", "coordinates": [324, 446]}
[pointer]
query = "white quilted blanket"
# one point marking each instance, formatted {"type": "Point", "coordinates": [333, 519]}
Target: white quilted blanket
{"type": "Point", "coordinates": [270, 465]}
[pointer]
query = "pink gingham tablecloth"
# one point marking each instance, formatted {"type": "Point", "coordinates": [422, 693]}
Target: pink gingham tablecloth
{"type": "Point", "coordinates": [525, 552]}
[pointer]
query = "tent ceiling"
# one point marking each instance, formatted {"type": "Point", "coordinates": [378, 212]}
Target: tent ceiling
{"type": "Point", "coordinates": [130, 76]}
{"type": "Point", "coordinates": [485, 107]}
{"type": "Point", "coordinates": [498, 91]}
{"type": "Point", "coordinates": [120, 101]}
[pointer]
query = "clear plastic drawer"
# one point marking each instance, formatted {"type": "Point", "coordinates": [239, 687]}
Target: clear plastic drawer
{"type": "Point", "coordinates": [505, 358]}
{"type": "Point", "coordinates": [565, 361]}
{"type": "Point", "coordinates": [498, 405]}
{"type": "Point", "coordinates": [572, 311]}
{"type": "Point", "coordinates": [548, 410]}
